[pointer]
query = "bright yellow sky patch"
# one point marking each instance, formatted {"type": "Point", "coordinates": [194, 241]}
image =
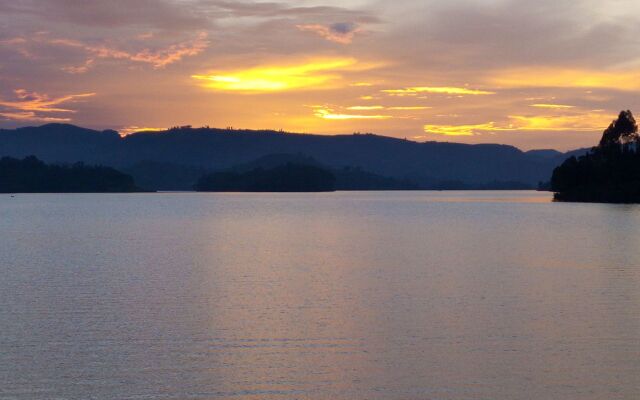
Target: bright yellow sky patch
{"type": "Point", "coordinates": [314, 74]}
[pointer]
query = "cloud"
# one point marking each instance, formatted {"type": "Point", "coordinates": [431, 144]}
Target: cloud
{"type": "Point", "coordinates": [158, 14]}
{"type": "Point", "coordinates": [157, 58]}
{"type": "Point", "coordinates": [30, 106]}
{"type": "Point", "coordinates": [553, 106]}
{"type": "Point", "coordinates": [282, 9]}
{"type": "Point", "coordinates": [438, 90]}
{"type": "Point", "coordinates": [30, 116]}
{"type": "Point", "coordinates": [342, 33]}
{"type": "Point", "coordinates": [482, 60]}
{"type": "Point", "coordinates": [80, 69]}
{"type": "Point", "coordinates": [461, 130]}
{"type": "Point", "coordinates": [327, 113]}
{"type": "Point", "coordinates": [582, 122]}
{"type": "Point", "coordinates": [365, 108]}
{"type": "Point", "coordinates": [468, 35]}
{"type": "Point", "coordinates": [316, 74]}
{"type": "Point", "coordinates": [570, 78]}
{"type": "Point", "coordinates": [395, 108]}
{"type": "Point", "coordinates": [128, 130]}
{"type": "Point", "coordinates": [410, 108]}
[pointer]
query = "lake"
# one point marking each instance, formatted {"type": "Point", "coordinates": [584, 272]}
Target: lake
{"type": "Point", "coordinates": [371, 295]}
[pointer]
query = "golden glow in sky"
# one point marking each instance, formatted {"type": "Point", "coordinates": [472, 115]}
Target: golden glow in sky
{"type": "Point", "coordinates": [576, 123]}
{"type": "Point", "coordinates": [419, 69]}
{"type": "Point", "coordinates": [315, 74]}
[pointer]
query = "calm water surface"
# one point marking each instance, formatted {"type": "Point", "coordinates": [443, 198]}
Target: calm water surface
{"type": "Point", "coordinates": [414, 295]}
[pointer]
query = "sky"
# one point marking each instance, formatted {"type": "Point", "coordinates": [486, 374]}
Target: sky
{"type": "Point", "coordinates": [533, 74]}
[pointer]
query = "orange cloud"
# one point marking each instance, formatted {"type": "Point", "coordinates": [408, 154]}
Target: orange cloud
{"type": "Point", "coordinates": [365, 108]}
{"type": "Point", "coordinates": [399, 108]}
{"type": "Point", "coordinates": [30, 116]}
{"type": "Point", "coordinates": [156, 58]}
{"type": "Point", "coordinates": [327, 113]}
{"type": "Point", "coordinates": [437, 90]}
{"type": "Point", "coordinates": [18, 44]}
{"type": "Point", "coordinates": [461, 130]}
{"type": "Point", "coordinates": [29, 104]}
{"type": "Point", "coordinates": [553, 106]}
{"type": "Point", "coordinates": [128, 130]}
{"type": "Point", "coordinates": [589, 122]}
{"type": "Point", "coordinates": [174, 53]}
{"type": "Point", "coordinates": [410, 108]}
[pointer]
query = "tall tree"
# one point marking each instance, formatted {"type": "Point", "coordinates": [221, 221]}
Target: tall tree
{"type": "Point", "coordinates": [621, 131]}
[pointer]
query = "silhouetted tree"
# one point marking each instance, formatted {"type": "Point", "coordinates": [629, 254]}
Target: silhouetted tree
{"type": "Point", "coordinates": [31, 175]}
{"type": "Point", "coordinates": [609, 173]}
{"type": "Point", "coordinates": [621, 131]}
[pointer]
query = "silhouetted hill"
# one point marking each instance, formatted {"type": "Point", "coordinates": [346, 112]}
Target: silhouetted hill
{"type": "Point", "coordinates": [282, 178]}
{"type": "Point", "coordinates": [152, 175]}
{"type": "Point", "coordinates": [347, 178]}
{"type": "Point", "coordinates": [427, 165]}
{"type": "Point", "coordinates": [544, 153]}
{"type": "Point", "coordinates": [609, 173]}
{"type": "Point", "coordinates": [31, 175]}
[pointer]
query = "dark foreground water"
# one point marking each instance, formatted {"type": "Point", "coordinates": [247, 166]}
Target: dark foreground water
{"type": "Point", "coordinates": [416, 295]}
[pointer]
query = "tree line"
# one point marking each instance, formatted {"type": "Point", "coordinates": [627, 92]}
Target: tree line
{"type": "Point", "coordinates": [31, 175]}
{"type": "Point", "coordinates": [609, 173]}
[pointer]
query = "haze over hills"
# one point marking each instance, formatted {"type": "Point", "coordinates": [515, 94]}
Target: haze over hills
{"type": "Point", "coordinates": [174, 159]}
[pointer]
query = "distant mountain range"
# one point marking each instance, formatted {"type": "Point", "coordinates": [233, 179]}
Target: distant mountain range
{"type": "Point", "coordinates": [176, 158]}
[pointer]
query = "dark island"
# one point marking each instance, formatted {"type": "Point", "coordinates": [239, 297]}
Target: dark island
{"type": "Point", "coordinates": [30, 175]}
{"type": "Point", "coordinates": [609, 173]}
{"type": "Point", "coordinates": [282, 178]}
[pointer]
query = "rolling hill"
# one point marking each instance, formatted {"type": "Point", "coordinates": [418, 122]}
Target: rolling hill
{"type": "Point", "coordinates": [174, 159]}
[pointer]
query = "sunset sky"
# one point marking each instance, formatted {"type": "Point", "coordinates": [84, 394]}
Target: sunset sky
{"type": "Point", "coordinates": [534, 74]}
